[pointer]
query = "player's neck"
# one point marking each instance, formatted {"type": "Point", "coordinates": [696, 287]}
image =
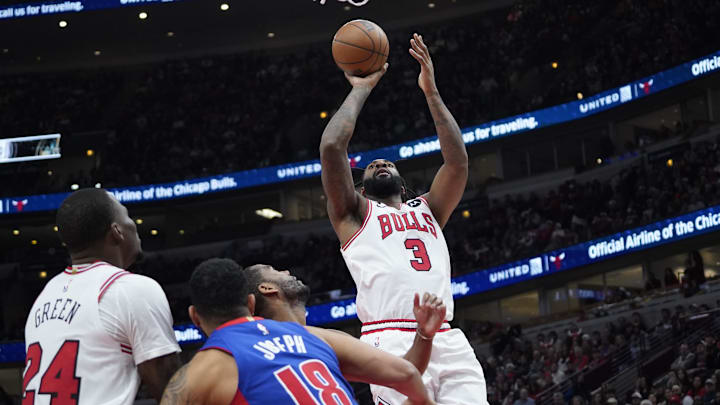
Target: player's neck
{"type": "Point", "coordinates": [87, 256]}
{"type": "Point", "coordinates": [289, 313]}
{"type": "Point", "coordinates": [393, 200]}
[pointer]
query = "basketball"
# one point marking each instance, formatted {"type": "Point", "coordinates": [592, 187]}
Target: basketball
{"type": "Point", "coordinates": [360, 47]}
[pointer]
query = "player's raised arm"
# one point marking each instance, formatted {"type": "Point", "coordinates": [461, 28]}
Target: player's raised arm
{"type": "Point", "coordinates": [343, 201]}
{"type": "Point", "coordinates": [449, 184]}
{"type": "Point", "coordinates": [364, 363]}
{"type": "Point", "coordinates": [203, 381]}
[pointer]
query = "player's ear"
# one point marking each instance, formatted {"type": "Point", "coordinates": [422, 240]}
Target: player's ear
{"type": "Point", "coordinates": [116, 233]}
{"type": "Point", "coordinates": [251, 303]}
{"type": "Point", "coordinates": [194, 317]}
{"type": "Point", "coordinates": [362, 191]}
{"type": "Point", "coordinates": [267, 288]}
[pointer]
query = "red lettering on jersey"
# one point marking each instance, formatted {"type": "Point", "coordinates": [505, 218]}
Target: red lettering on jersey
{"type": "Point", "coordinates": [421, 227]}
{"type": "Point", "coordinates": [407, 223]}
{"type": "Point", "coordinates": [429, 221]}
{"type": "Point", "coordinates": [385, 226]}
{"type": "Point", "coordinates": [398, 223]}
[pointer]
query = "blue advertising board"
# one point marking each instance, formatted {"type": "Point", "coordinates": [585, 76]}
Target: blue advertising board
{"type": "Point", "coordinates": [311, 168]}
{"type": "Point", "coordinates": [50, 7]}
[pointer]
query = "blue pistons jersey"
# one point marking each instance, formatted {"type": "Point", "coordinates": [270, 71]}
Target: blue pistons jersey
{"type": "Point", "coordinates": [281, 363]}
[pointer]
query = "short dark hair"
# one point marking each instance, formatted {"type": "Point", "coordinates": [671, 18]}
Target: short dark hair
{"type": "Point", "coordinates": [219, 289]}
{"type": "Point", "coordinates": [255, 278]}
{"type": "Point", "coordinates": [84, 218]}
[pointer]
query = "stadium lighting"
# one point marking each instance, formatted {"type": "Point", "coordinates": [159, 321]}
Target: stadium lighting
{"type": "Point", "coordinates": [347, 8]}
{"type": "Point", "coordinates": [323, 114]}
{"type": "Point", "coordinates": [143, 15]}
{"type": "Point", "coordinates": [98, 185]}
{"type": "Point", "coordinates": [271, 35]}
{"type": "Point", "coordinates": [599, 161]}
{"type": "Point", "coordinates": [75, 186]}
{"type": "Point", "coordinates": [170, 34]}
{"type": "Point", "coordinates": [42, 274]}
{"type": "Point", "coordinates": [268, 213]}
{"type": "Point", "coordinates": [669, 163]}
{"type": "Point", "coordinates": [97, 52]}
{"type": "Point", "coordinates": [554, 65]}
{"type": "Point", "coordinates": [153, 232]}
{"type": "Point", "coordinates": [55, 228]}
{"type": "Point", "coordinates": [139, 221]}
{"type": "Point", "coordinates": [431, 5]}
{"type": "Point", "coordinates": [16, 232]}
{"type": "Point", "coordinates": [62, 24]}
{"type": "Point", "coordinates": [181, 232]}
{"type": "Point", "coordinates": [90, 152]}
{"type": "Point", "coordinates": [579, 96]}
{"type": "Point", "coordinates": [33, 242]}
{"type": "Point", "coordinates": [224, 7]}
{"type": "Point", "coordinates": [50, 172]}
{"type": "Point", "coordinates": [466, 214]}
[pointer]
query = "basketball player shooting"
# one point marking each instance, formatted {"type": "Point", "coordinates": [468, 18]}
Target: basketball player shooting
{"type": "Point", "coordinates": [394, 246]}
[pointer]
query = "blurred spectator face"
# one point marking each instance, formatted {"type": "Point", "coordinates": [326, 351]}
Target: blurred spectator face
{"type": "Point", "coordinates": [675, 390]}
{"type": "Point", "coordinates": [700, 348]}
{"type": "Point", "coordinates": [524, 394]}
{"type": "Point", "coordinates": [697, 382]}
{"type": "Point", "coordinates": [683, 349]}
{"type": "Point", "coordinates": [577, 400]}
{"type": "Point", "coordinates": [710, 385]}
{"type": "Point", "coordinates": [558, 399]}
{"type": "Point", "coordinates": [653, 399]}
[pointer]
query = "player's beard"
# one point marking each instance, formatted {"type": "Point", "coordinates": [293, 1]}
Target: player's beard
{"type": "Point", "coordinates": [383, 187]}
{"type": "Point", "coordinates": [296, 291]}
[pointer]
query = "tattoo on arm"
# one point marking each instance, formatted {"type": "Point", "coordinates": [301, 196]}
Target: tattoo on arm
{"type": "Point", "coordinates": [441, 115]}
{"type": "Point", "coordinates": [175, 392]}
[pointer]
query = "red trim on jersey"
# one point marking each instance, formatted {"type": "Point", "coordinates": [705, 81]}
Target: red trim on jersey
{"type": "Point", "coordinates": [110, 278]}
{"type": "Point", "coordinates": [388, 320]}
{"type": "Point", "coordinates": [424, 200]}
{"type": "Point", "coordinates": [216, 348]}
{"type": "Point", "coordinates": [69, 269]}
{"type": "Point", "coordinates": [125, 351]}
{"type": "Point", "coordinates": [391, 320]}
{"type": "Point", "coordinates": [238, 321]}
{"type": "Point", "coordinates": [239, 399]}
{"type": "Point", "coordinates": [359, 231]}
{"type": "Point", "coordinates": [400, 329]}
{"type": "Point", "coordinates": [110, 283]}
{"type": "Point", "coordinates": [126, 347]}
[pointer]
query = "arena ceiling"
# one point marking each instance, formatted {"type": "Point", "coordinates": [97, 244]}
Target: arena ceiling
{"type": "Point", "coordinates": [199, 27]}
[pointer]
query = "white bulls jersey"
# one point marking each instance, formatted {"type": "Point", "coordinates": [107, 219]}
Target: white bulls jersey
{"type": "Point", "coordinates": [395, 254]}
{"type": "Point", "coordinates": [86, 332]}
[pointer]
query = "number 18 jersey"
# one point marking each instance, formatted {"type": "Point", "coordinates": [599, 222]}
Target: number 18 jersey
{"type": "Point", "coordinates": [395, 254]}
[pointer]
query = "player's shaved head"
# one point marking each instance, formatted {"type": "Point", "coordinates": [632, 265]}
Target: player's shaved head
{"type": "Point", "coordinates": [84, 218]}
{"type": "Point", "coordinates": [281, 284]}
{"type": "Point", "coordinates": [219, 290]}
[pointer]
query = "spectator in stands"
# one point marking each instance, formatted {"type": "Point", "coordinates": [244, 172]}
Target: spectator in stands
{"type": "Point", "coordinates": [697, 389]}
{"type": "Point", "coordinates": [685, 359]}
{"type": "Point", "coordinates": [524, 399]}
{"type": "Point", "coordinates": [652, 282]}
{"type": "Point", "coordinates": [557, 399]}
{"type": "Point", "coordinates": [710, 396]}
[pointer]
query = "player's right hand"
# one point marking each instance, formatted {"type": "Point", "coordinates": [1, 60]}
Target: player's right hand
{"type": "Point", "coordinates": [430, 314]}
{"type": "Point", "coordinates": [369, 81]}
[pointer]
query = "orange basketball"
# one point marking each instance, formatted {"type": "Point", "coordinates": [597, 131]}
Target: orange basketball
{"type": "Point", "coordinates": [360, 47]}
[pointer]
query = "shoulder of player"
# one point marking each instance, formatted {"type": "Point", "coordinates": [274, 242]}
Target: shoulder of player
{"type": "Point", "coordinates": [209, 376]}
{"type": "Point", "coordinates": [134, 286]}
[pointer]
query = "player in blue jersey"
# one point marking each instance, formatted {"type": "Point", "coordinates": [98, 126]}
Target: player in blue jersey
{"type": "Point", "coordinates": [251, 360]}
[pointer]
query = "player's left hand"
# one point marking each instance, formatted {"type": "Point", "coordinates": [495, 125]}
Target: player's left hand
{"type": "Point", "coordinates": [430, 314]}
{"type": "Point", "coordinates": [420, 52]}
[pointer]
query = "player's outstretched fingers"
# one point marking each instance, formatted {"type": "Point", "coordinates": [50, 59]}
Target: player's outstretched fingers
{"type": "Point", "coordinates": [416, 300]}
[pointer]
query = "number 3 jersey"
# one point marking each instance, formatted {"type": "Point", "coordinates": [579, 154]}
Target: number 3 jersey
{"type": "Point", "coordinates": [86, 332]}
{"type": "Point", "coordinates": [281, 363]}
{"type": "Point", "coordinates": [395, 254]}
